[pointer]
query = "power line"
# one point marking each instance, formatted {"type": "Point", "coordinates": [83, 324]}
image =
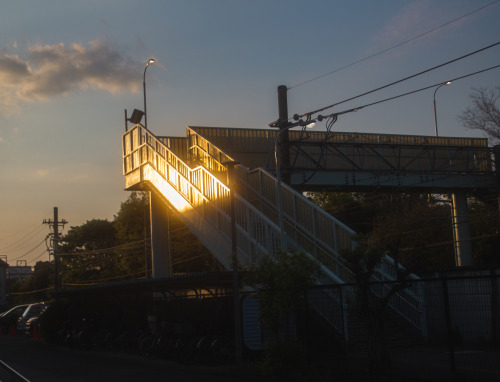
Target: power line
{"type": "Point", "coordinates": [40, 255]}
{"type": "Point", "coordinates": [33, 225]}
{"type": "Point", "coordinates": [22, 240]}
{"type": "Point", "coordinates": [31, 250]}
{"type": "Point", "coordinates": [132, 245]}
{"type": "Point", "coordinates": [393, 47]}
{"type": "Point", "coordinates": [404, 94]}
{"type": "Point", "coordinates": [403, 79]}
{"type": "Point", "coordinates": [98, 281]}
{"type": "Point", "coordinates": [30, 292]}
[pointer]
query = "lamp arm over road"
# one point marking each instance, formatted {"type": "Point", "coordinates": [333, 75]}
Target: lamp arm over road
{"type": "Point", "coordinates": [435, 113]}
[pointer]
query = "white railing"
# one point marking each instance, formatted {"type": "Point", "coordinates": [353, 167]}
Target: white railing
{"type": "Point", "coordinates": [307, 226]}
{"type": "Point", "coordinates": [311, 228]}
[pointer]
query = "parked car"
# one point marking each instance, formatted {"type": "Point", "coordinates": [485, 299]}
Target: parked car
{"type": "Point", "coordinates": [33, 321]}
{"type": "Point", "coordinates": [31, 311]}
{"type": "Point", "coordinates": [10, 316]}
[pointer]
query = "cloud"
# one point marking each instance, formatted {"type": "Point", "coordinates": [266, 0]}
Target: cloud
{"type": "Point", "coordinates": [79, 178]}
{"type": "Point", "coordinates": [53, 70]}
{"type": "Point", "coordinates": [414, 19]}
{"type": "Point", "coordinates": [42, 173]}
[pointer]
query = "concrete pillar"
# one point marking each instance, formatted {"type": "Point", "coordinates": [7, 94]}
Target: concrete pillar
{"type": "Point", "coordinates": [161, 258]}
{"type": "Point", "coordinates": [496, 151]}
{"type": "Point", "coordinates": [461, 229]}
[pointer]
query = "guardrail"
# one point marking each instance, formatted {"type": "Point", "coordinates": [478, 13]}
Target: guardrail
{"type": "Point", "coordinates": [8, 374]}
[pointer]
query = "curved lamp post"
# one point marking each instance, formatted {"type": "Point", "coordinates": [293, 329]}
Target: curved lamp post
{"type": "Point", "coordinates": [435, 114]}
{"type": "Point", "coordinates": [150, 61]}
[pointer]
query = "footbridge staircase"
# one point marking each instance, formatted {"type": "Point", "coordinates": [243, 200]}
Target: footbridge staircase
{"type": "Point", "coordinates": [189, 174]}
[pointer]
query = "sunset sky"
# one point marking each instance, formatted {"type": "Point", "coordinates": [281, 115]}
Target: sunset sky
{"type": "Point", "coordinates": [69, 69]}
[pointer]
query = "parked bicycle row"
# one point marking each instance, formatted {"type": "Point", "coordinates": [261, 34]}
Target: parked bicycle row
{"type": "Point", "coordinates": [177, 343]}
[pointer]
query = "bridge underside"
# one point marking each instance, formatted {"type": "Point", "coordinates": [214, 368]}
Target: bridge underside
{"type": "Point", "coordinates": [321, 180]}
{"type": "Point", "coordinates": [319, 161]}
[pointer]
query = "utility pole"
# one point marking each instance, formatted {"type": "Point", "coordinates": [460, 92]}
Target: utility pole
{"type": "Point", "coordinates": [55, 224]}
{"type": "Point", "coordinates": [284, 142]}
{"type": "Point", "coordinates": [234, 260]}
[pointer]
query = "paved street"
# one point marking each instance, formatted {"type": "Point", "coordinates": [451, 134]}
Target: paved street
{"type": "Point", "coordinates": [39, 362]}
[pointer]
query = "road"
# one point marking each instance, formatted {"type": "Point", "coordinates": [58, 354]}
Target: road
{"type": "Point", "coordinates": [39, 362]}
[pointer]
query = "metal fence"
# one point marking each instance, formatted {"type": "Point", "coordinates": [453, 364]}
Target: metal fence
{"type": "Point", "coordinates": [462, 342]}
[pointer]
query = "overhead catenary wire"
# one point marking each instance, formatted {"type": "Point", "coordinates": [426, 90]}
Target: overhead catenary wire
{"type": "Point", "coordinates": [394, 46]}
{"type": "Point", "coordinates": [402, 79]}
{"type": "Point", "coordinates": [403, 94]}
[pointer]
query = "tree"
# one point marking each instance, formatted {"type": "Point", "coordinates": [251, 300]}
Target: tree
{"type": "Point", "coordinates": [133, 217]}
{"type": "Point", "coordinates": [485, 232]}
{"type": "Point", "coordinates": [281, 281]}
{"type": "Point", "coordinates": [353, 209]}
{"type": "Point", "coordinates": [94, 234]}
{"type": "Point", "coordinates": [484, 113]}
{"type": "Point", "coordinates": [131, 222]}
{"type": "Point", "coordinates": [33, 288]}
{"type": "Point", "coordinates": [84, 254]}
{"type": "Point", "coordinates": [363, 260]}
{"type": "Point", "coordinates": [414, 229]}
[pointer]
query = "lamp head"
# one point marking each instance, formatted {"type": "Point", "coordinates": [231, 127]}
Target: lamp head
{"type": "Point", "coordinates": [136, 116]}
{"type": "Point", "coordinates": [151, 61]}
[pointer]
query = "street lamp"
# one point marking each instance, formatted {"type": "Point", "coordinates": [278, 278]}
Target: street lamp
{"type": "Point", "coordinates": [435, 115]}
{"type": "Point", "coordinates": [309, 124]}
{"type": "Point", "coordinates": [150, 61]}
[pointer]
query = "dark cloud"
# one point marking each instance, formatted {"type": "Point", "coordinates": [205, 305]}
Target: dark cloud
{"type": "Point", "coordinates": [12, 69]}
{"type": "Point", "coordinates": [54, 70]}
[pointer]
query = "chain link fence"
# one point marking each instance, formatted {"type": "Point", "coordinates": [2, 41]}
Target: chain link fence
{"type": "Point", "coordinates": [461, 340]}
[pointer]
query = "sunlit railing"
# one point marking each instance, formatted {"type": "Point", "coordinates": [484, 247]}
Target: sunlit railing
{"type": "Point", "coordinates": [256, 234]}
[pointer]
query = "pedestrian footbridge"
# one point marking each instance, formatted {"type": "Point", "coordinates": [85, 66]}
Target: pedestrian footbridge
{"type": "Point", "coordinates": [189, 175]}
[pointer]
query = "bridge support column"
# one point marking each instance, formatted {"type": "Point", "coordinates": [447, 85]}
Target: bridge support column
{"type": "Point", "coordinates": [461, 229]}
{"type": "Point", "coordinates": [161, 258]}
{"type": "Point", "coordinates": [496, 151]}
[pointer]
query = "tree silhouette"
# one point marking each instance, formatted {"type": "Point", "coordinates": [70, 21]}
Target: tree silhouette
{"type": "Point", "coordinates": [483, 114]}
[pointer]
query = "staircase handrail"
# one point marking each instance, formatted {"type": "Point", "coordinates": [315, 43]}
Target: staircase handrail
{"type": "Point", "coordinates": [409, 303]}
{"type": "Point", "coordinates": [318, 242]}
